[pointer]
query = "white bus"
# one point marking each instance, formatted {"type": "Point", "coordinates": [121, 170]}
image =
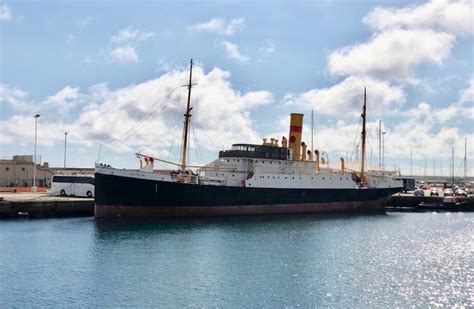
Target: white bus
{"type": "Point", "coordinates": [74, 185]}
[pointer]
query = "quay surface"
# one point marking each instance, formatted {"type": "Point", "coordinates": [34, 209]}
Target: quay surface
{"type": "Point", "coordinates": [44, 205]}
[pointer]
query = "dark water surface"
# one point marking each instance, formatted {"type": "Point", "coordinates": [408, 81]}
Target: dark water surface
{"type": "Point", "coordinates": [398, 259]}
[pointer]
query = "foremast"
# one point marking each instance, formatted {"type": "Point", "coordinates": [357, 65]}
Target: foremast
{"type": "Point", "coordinates": [187, 117]}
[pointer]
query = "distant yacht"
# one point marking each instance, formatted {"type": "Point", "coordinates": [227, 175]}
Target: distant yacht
{"type": "Point", "coordinates": [248, 179]}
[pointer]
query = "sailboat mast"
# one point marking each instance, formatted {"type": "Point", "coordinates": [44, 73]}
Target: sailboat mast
{"type": "Point", "coordinates": [312, 135]}
{"type": "Point", "coordinates": [362, 167]}
{"type": "Point", "coordinates": [187, 116]}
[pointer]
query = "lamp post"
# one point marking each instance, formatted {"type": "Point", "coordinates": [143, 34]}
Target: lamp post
{"type": "Point", "coordinates": [383, 150]}
{"type": "Point", "coordinates": [34, 166]}
{"type": "Point", "coordinates": [65, 145]}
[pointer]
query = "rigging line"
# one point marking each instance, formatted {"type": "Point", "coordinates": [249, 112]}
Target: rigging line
{"type": "Point", "coordinates": [205, 133]}
{"type": "Point", "coordinates": [147, 116]}
{"type": "Point", "coordinates": [199, 148]}
{"type": "Point", "coordinates": [355, 139]}
{"type": "Point", "coordinates": [173, 125]}
{"type": "Point", "coordinates": [129, 133]}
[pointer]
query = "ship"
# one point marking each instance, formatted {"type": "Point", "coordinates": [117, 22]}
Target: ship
{"type": "Point", "coordinates": [274, 177]}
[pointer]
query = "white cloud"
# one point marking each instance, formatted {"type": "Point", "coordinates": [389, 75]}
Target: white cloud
{"type": "Point", "coordinates": [13, 97]}
{"type": "Point", "coordinates": [124, 54]}
{"type": "Point", "coordinates": [467, 95]}
{"type": "Point", "coordinates": [148, 115]}
{"type": "Point", "coordinates": [130, 36]}
{"type": "Point", "coordinates": [233, 52]}
{"type": "Point", "coordinates": [392, 54]}
{"type": "Point", "coordinates": [220, 26]}
{"type": "Point", "coordinates": [266, 50]}
{"type": "Point", "coordinates": [346, 97]}
{"type": "Point", "coordinates": [442, 15]}
{"type": "Point", "coordinates": [5, 13]}
{"type": "Point", "coordinates": [126, 42]}
{"type": "Point", "coordinates": [63, 101]}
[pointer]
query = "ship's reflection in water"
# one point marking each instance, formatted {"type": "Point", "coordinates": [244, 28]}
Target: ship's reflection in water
{"type": "Point", "coordinates": [307, 260]}
{"type": "Point", "coordinates": [393, 260]}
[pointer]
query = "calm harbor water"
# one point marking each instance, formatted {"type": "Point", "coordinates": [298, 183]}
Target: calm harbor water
{"type": "Point", "coordinates": [398, 259]}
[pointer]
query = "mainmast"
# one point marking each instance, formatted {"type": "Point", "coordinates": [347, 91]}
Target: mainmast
{"type": "Point", "coordinates": [187, 117]}
{"type": "Point", "coordinates": [363, 137]}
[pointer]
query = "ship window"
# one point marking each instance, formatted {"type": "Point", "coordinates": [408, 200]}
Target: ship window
{"type": "Point", "coordinates": [233, 175]}
{"type": "Point", "coordinates": [341, 178]}
{"type": "Point", "coordinates": [238, 160]}
{"type": "Point", "coordinates": [311, 178]}
{"type": "Point", "coordinates": [263, 161]}
{"type": "Point", "coordinates": [270, 162]}
{"type": "Point", "coordinates": [227, 160]}
{"type": "Point", "coordinates": [323, 178]}
{"type": "Point", "coordinates": [273, 177]}
{"type": "Point", "coordinates": [300, 178]}
{"type": "Point", "coordinates": [286, 177]}
{"type": "Point", "coordinates": [268, 177]}
{"type": "Point", "coordinates": [292, 177]}
{"type": "Point", "coordinates": [222, 174]}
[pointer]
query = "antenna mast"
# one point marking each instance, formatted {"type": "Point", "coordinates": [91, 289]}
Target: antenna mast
{"type": "Point", "coordinates": [187, 117]}
{"type": "Point", "coordinates": [363, 137]}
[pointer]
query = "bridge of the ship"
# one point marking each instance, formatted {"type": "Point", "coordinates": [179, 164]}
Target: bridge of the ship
{"type": "Point", "coordinates": [256, 151]}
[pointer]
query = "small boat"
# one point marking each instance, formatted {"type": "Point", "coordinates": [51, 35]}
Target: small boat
{"type": "Point", "coordinates": [448, 203]}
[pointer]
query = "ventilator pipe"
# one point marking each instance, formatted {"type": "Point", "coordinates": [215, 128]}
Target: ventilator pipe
{"type": "Point", "coordinates": [264, 141]}
{"type": "Point", "coordinates": [303, 151]}
{"type": "Point", "coordinates": [342, 166]}
{"type": "Point", "coordinates": [310, 155]}
{"type": "Point", "coordinates": [316, 154]}
{"type": "Point", "coordinates": [284, 142]}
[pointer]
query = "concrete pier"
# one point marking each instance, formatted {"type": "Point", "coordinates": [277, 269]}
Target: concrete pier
{"type": "Point", "coordinates": [43, 205]}
{"type": "Point", "coordinates": [409, 203]}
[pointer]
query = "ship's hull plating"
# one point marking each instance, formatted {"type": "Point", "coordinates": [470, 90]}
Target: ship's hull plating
{"type": "Point", "coordinates": [118, 196]}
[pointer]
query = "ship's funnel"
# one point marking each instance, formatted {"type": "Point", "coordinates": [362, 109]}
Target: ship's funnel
{"type": "Point", "coordinates": [296, 128]}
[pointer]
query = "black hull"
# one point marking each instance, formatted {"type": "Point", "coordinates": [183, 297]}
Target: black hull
{"type": "Point", "coordinates": [118, 196]}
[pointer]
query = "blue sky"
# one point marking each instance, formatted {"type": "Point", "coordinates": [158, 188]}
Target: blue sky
{"type": "Point", "coordinates": [108, 73]}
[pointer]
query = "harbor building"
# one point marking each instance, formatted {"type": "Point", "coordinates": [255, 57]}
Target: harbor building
{"type": "Point", "coordinates": [18, 172]}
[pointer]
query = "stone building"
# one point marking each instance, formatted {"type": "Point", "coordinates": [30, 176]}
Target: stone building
{"type": "Point", "coordinates": [18, 172]}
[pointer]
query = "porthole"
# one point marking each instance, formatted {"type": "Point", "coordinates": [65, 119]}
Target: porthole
{"type": "Point", "coordinates": [292, 177]}
{"type": "Point", "coordinates": [323, 178]}
{"type": "Point", "coordinates": [286, 177]}
{"type": "Point", "coordinates": [7, 169]}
